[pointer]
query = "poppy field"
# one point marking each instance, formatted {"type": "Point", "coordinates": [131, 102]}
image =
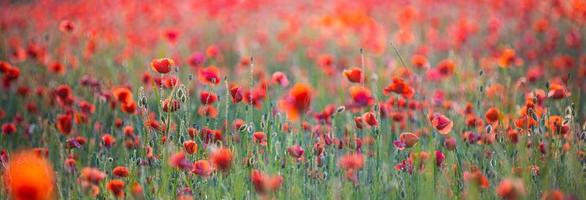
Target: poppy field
{"type": "Point", "coordinates": [261, 99]}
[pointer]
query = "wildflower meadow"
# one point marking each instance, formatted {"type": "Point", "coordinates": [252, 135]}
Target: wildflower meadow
{"type": "Point", "coordinates": [265, 99]}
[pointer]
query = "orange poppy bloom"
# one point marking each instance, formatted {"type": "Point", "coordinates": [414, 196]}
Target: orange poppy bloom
{"type": "Point", "coordinates": [476, 177]}
{"type": "Point", "coordinates": [370, 119]}
{"type": "Point", "coordinates": [116, 187]}
{"type": "Point", "coordinates": [508, 58]}
{"type": "Point", "coordinates": [91, 176]}
{"type": "Point", "coordinates": [122, 95]}
{"type": "Point", "coordinates": [354, 74]}
{"type": "Point", "coordinates": [29, 177]}
{"type": "Point", "coordinates": [353, 161]}
{"type": "Point", "coordinates": [202, 168]}
{"type": "Point", "coordinates": [419, 61]}
{"type": "Point", "coordinates": [409, 139]}
{"type": "Point", "coordinates": [361, 96]}
{"type": "Point", "coordinates": [179, 161]}
{"type": "Point", "coordinates": [400, 87]}
{"type": "Point", "coordinates": [511, 189]}
{"type": "Point", "coordinates": [446, 67]}
{"type": "Point", "coordinates": [297, 101]}
{"type": "Point", "coordinates": [441, 123]}
{"type": "Point", "coordinates": [264, 183]}
{"type": "Point", "coordinates": [208, 111]}
{"type": "Point", "coordinates": [556, 124]}
{"type": "Point", "coordinates": [162, 65]}
{"type": "Point", "coordinates": [209, 75]}
{"type": "Point", "coordinates": [221, 158]}
{"type": "Point", "coordinates": [558, 91]}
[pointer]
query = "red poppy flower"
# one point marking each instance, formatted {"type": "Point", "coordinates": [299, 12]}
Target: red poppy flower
{"type": "Point", "coordinates": [206, 97]}
{"type": "Point", "coordinates": [280, 78]}
{"type": "Point", "coordinates": [400, 87]}
{"type": "Point", "coordinates": [511, 189]}
{"type": "Point", "coordinates": [441, 123]}
{"type": "Point", "coordinates": [202, 168]}
{"type": "Point", "coordinates": [297, 101]}
{"type": "Point", "coordinates": [116, 187]}
{"type": "Point", "coordinates": [361, 96]}
{"type": "Point", "coordinates": [492, 115]}
{"type": "Point", "coordinates": [162, 65]}
{"type": "Point", "coordinates": [353, 74]}
{"type": "Point", "coordinates": [64, 123]}
{"type": "Point", "coordinates": [120, 171]}
{"type": "Point", "coordinates": [209, 75]}
{"type": "Point", "coordinates": [221, 158]}
{"type": "Point", "coordinates": [190, 146]}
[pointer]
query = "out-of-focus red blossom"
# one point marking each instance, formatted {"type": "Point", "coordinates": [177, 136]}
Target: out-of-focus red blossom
{"type": "Point", "coordinates": [208, 111]}
{"type": "Point", "coordinates": [296, 152]}
{"type": "Point", "coordinates": [280, 78]}
{"type": "Point", "coordinates": [441, 123]}
{"type": "Point", "coordinates": [190, 146]}
{"type": "Point", "coordinates": [64, 123]}
{"type": "Point", "coordinates": [221, 158]}
{"type": "Point", "coordinates": [420, 61]}
{"type": "Point", "coordinates": [236, 93]}
{"type": "Point", "coordinates": [492, 115]}
{"type": "Point", "coordinates": [108, 140]}
{"type": "Point", "coordinates": [476, 177]}
{"type": "Point", "coordinates": [91, 176]}
{"type": "Point", "coordinates": [171, 105]}
{"type": "Point", "coordinates": [361, 97]}
{"type": "Point", "coordinates": [120, 171]}
{"type": "Point", "coordinates": [553, 195]}
{"type": "Point", "coordinates": [162, 65]}
{"type": "Point", "coordinates": [213, 51]}
{"type": "Point", "coordinates": [508, 58]}
{"type": "Point", "coordinates": [446, 67]}
{"type": "Point", "coordinates": [511, 189]}
{"type": "Point", "coordinates": [400, 87]}
{"type": "Point", "coordinates": [116, 187]}
{"type": "Point", "coordinates": [29, 176]}
{"type": "Point", "coordinates": [558, 91]}
{"type": "Point", "coordinates": [179, 161]}
{"type": "Point", "coordinates": [66, 26]}
{"type": "Point", "coordinates": [259, 138]}
{"type": "Point", "coordinates": [450, 143]}
{"type": "Point", "coordinates": [439, 158]}
{"type": "Point", "coordinates": [209, 75]}
{"type": "Point", "coordinates": [8, 128]}
{"type": "Point", "coordinates": [297, 101]}
{"type": "Point", "coordinates": [557, 125]}
{"type": "Point", "coordinates": [370, 119]}
{"type": "Point", "coordinates": [353, 161]}
{"type": "Point", "coordinates": [202, 168]}
{"type": "Point", "coordinates": [264, 183]}
{"type": "Point", "coordinates": [206, 97]}
{"type": "Point", "coordinates": [354, 74]}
